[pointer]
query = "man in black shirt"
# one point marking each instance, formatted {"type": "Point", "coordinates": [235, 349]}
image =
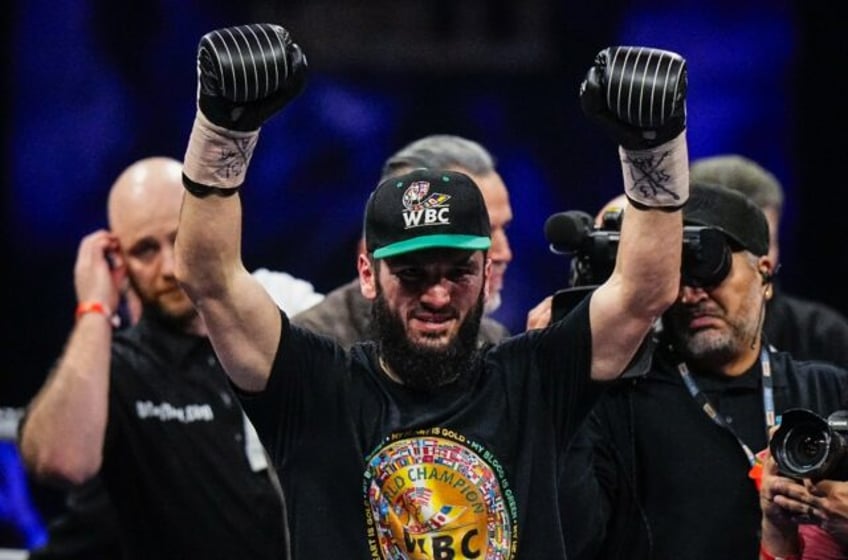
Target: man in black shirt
{"type": "Point", "coordinates": [419, 444]}
{"type": "Point", "coordinates": [674, 448]}
{"type": "Point", "coordinates": [148, 409]}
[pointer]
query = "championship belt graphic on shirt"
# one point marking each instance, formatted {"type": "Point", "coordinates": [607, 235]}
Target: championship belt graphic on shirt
{"type": "Point", "coordinates": [429, 496]}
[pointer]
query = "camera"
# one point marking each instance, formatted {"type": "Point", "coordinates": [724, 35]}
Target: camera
{"type": "Point", "coordinates": [706, 257]}
{"type": "Point", "coordinates": [806, 445]}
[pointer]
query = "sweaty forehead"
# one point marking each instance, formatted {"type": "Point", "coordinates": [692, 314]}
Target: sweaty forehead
{"type": "Point", "coordinates": [144, 207]}
{"type": "Point", "coordinates": [151, 181]}
{"type": "Point", "coordinates": [145, 217]}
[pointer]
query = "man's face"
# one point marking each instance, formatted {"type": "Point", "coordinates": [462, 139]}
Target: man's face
{"type": "Point", "coordinates": [147, 236]}
{"type": "Point", "coordinates": [496, 198]}
{"type": "Point", "coordinates": [719, 325]}
{"type": "Point", "coordinates": [427, 310]}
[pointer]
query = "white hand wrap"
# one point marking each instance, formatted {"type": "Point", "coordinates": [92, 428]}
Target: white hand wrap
{"type": "Point", "coordinates": [659, 177]}
{"type": "Point", "coordinates": [217, 157]}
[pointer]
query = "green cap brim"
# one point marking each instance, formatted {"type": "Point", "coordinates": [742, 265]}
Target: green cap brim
{"type": "Point", "coordinates": [448, 241]}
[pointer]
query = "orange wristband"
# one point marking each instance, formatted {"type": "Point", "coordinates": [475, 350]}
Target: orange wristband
{"type": "Point", "coordinates": [84, 307]}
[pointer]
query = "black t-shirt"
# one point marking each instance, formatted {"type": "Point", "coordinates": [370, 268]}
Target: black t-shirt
{"type": "Point", "coordinates": [372, 469]}
{"type": "Point", "coordinates": [678, 479]}
{"type": "Point", "coordinates": [808, 330]}
{"type": "Point", "coordinates": [176, 462]}
{"type": "Point", "coordinates": [87, 530]}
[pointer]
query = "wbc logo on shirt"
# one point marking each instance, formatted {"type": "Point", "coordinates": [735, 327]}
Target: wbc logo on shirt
{"type": "Point", "coordinates": [423, 208]}
{"type": "Point", "coordinates": [434, 494]}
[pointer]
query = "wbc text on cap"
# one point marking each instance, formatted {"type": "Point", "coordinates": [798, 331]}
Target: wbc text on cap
{"type": "Point", "coordinates": [426, 209]}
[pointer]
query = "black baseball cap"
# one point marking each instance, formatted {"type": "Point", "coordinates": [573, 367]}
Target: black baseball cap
{"type": "Point", "coordinates": [426, 209]}
{"type": "Point", "coordinates": [729, 211]}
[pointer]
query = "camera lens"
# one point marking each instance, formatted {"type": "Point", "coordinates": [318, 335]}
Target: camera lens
{"type": "Point", "coordinates": [807, 445]}
{"type": "Point", "coordinates": [805, 448]}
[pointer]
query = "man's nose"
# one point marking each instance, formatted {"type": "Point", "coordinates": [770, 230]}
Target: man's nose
{"type": "Point", "coordinates": [168, 261]}
{"type": "Point", "coordinates": [692, 294]}
{"type": "Point", "coordinates": [437, 294]}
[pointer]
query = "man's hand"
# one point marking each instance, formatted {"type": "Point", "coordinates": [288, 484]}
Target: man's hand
{"type": "Point", "coordinates": [638, 95]}
{"type": "Point", "coordinates": [540, 316]}
{"type": "Point", "coordinates": [784, 506]}
{"type": "Point", "coordinates": [831, 498]}
{"type": "Point", "coordinates": [99, 271]}
{"type": "Point", "coordinates": [246, 74]}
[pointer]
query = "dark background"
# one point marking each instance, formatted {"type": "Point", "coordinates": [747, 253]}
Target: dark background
{"type": "Point", "coordinates": [91, 86]}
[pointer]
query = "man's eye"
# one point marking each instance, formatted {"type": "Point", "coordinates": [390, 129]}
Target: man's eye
{"type": "Point", "coordinates": [460, 274]}
{"type": "Point", "coordinates": [409, 275]}
{"type": "Point", "coordinates": [144, 252]}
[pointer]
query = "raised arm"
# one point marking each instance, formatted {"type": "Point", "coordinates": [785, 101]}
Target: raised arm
{"type": "Point", "coordinates": [639, 95]}
{"type": "Point", "coordinates": [246, 75]}
{"type": "Point", "coordinates": [62, 436]}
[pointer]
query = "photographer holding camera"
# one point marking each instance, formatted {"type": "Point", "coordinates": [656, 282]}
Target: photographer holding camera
{"type": "Point", "coordinates": [804, 520]}
{"type": "Point", "coordinates": [804, 488]}
{"type": "Point", "coordinates": [673, 448]}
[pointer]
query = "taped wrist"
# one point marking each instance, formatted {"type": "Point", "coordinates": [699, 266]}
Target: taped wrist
{"type": "Point", "coordinates": [217, 158]}
{"type": "Point", "coordinates": [657, 177]}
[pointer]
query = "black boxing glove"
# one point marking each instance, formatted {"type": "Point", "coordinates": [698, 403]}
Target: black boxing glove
{"type": "Point", "coordinates": [246, 74]}
{"type": "Point", "coordinates": [639, 95]}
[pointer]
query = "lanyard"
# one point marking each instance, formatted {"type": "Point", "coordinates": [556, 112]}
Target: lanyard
{"type": "Point", "coordinates": [709, 409]}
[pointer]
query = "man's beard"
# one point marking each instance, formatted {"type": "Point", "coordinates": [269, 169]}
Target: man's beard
{"type": "Point", "coordinates": [709, 348]}
{"type": "Point", "coordinates": [493, 303]}
{"type": "Point", "coordinates": [153, 308]}
{"type": "Point", "coordinates": [178, 321]}
{"type": "Point", "coordinates": [421, 367]}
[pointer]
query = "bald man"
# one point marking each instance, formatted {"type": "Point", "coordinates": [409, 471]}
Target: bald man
{"type": "Point", "coordinates": [148, 409]}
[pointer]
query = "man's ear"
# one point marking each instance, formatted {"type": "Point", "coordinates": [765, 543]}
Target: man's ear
{"type": "Point", "coordinates": [767, 270]}
{"type": "Point", "coordinates": [368, 270]}
{"type": "Point", "coordinates": [767, 273]}
{"type": "Point", "coordinates": [487, 275]}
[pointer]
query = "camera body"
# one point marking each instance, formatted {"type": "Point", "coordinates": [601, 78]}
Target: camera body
{"type": "Point", "coordinates": [706, 257]}
{"type": "Point", "coordinates": [706, 254]}
{"type": "Point", "coordinates": [806, 445]}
